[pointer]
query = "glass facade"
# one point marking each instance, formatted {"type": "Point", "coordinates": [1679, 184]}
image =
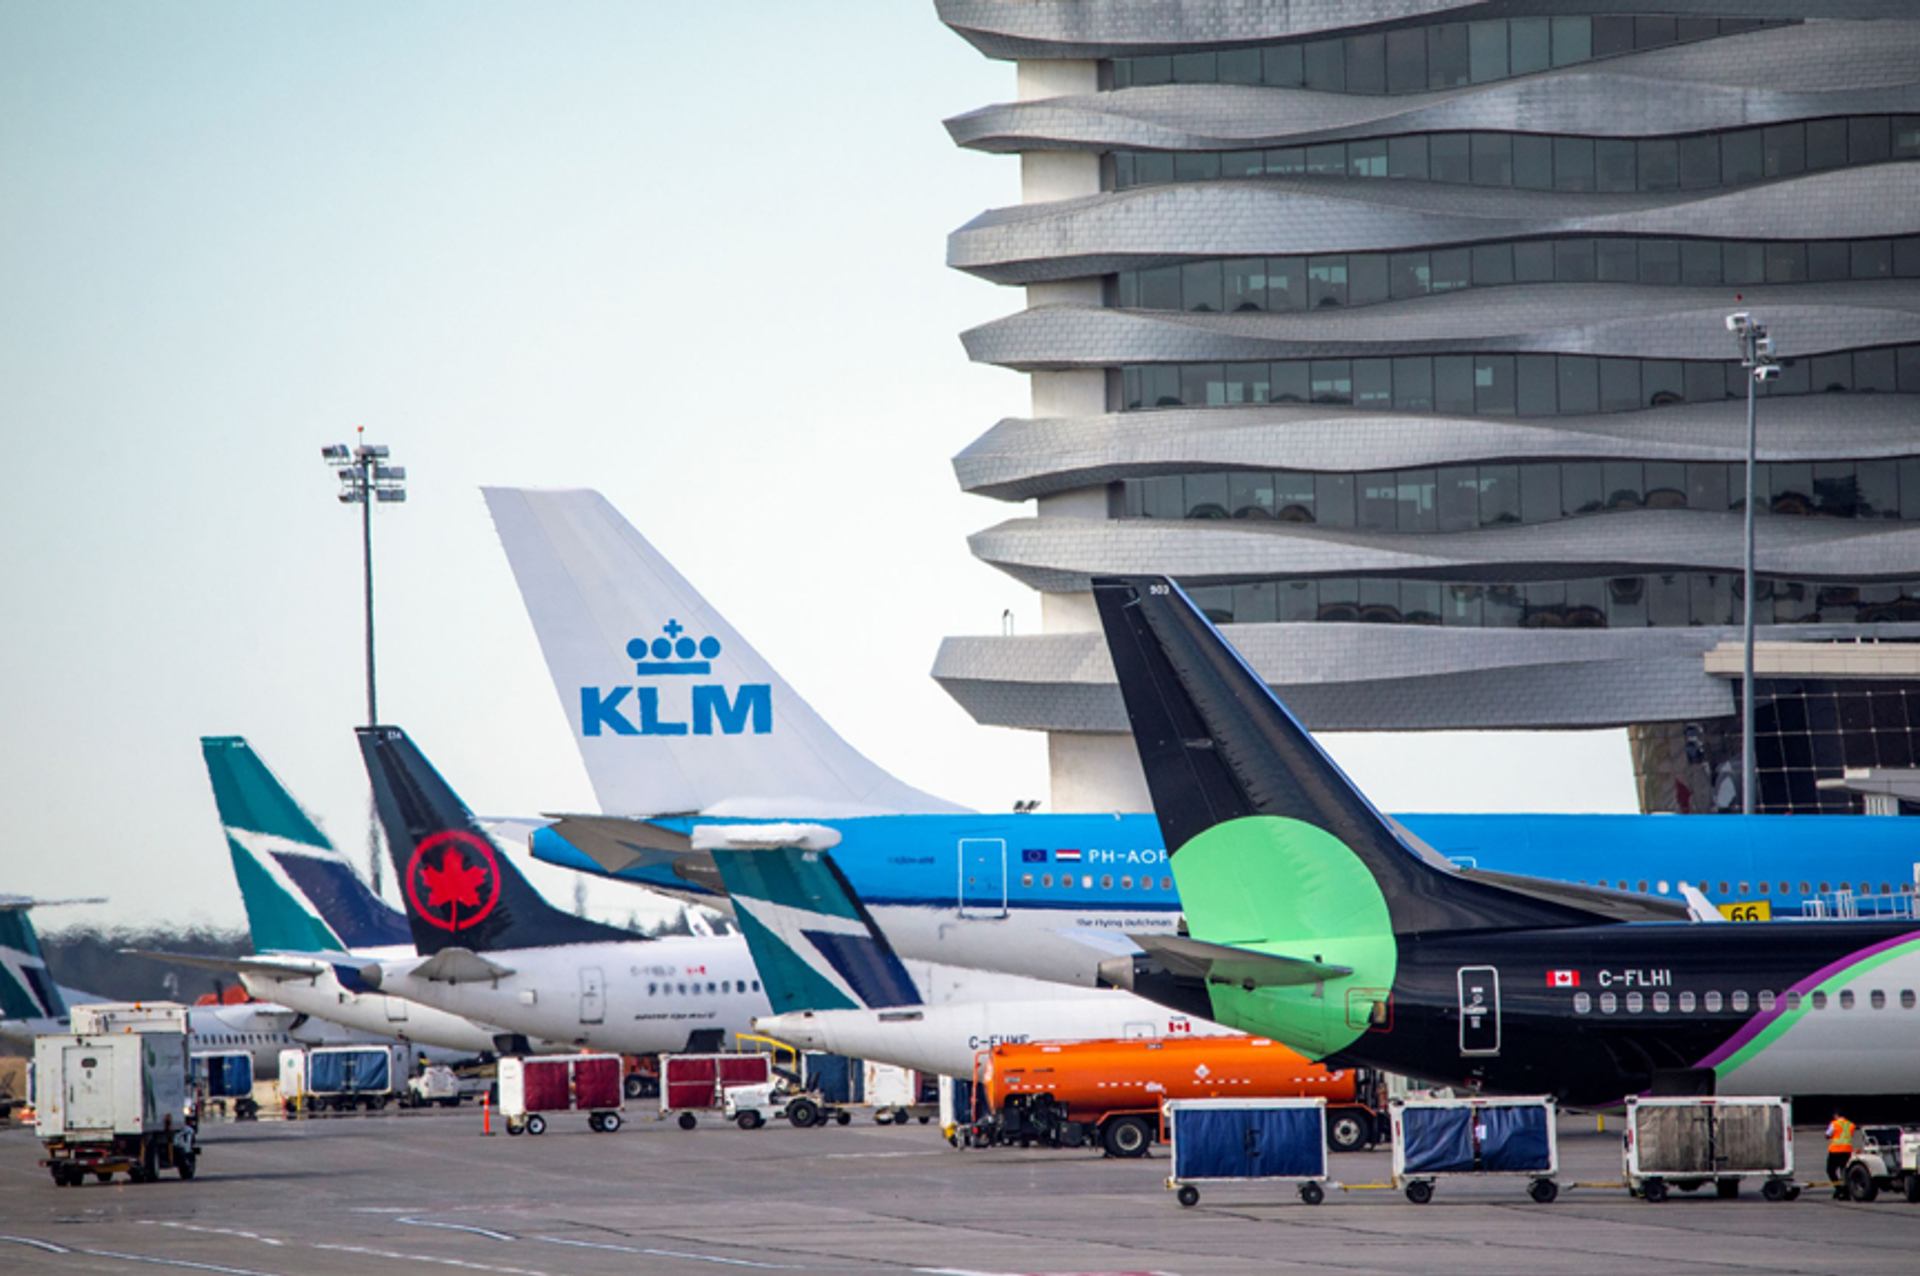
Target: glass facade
{"type": "Point", "coordinates": [1418, 59]}
{"type": "Point", "coordinates": [1549, 162]}
{"type": "Point", "coordinates": [1808, 728]}
{"type": "Point", "coordinates": [1655, 601]}
{"type": "Point", "coordinates": [1508, 384]}
{"type": "Point", "coordinates": [1232, 284]}
{"type": "Point", "coordinates": [1458, 498]}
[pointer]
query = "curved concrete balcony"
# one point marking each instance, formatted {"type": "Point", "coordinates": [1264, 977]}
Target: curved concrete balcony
{"type": "Point", "coordinates": [1062, 555]}
{"type": "Point", "coordinates": [1020, 459]}
{"type": "Point", "coordinates": [1156, 225]}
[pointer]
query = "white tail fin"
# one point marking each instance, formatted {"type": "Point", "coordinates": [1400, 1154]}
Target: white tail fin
{"type": "Point", "coordinates": [673, 711]}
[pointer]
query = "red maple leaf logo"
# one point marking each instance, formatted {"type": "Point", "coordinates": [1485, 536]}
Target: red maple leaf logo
{"type": "Point", "coordinates": [461, 877]}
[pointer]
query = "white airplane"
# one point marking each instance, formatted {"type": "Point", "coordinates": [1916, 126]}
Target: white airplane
{"type": "Point", "coordinates": [492, 949]}
{"type": "Point", "coordinates": [315, 925]}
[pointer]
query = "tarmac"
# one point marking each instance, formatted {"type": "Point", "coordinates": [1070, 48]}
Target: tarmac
{"type": "Point", "coordinates": [427, 1192]}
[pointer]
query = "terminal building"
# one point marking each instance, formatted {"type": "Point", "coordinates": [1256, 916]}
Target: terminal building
{"type": "Point", "coordinates": [1395, 330]}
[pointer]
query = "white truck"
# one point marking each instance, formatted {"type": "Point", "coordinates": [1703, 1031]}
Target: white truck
{"type": "Point", "coordinates": [114, 1102]}
{"type": "Point", "coordinates": [101, 1017]}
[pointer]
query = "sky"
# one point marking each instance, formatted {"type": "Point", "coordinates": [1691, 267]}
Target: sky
{"type": "Point", "coordinates": [691, 255]}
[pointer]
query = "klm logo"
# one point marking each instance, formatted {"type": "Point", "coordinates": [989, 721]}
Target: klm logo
{"type": "Point", "coordinates": [708, 709]}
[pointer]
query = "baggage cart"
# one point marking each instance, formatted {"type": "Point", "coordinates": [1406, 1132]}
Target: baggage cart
{"type": "Point", "coordinates": [225, 1078]}
{"type": "Point", "coordinates": [1687, 1143]}
{"type": "Point", "coordinates": [1886, 1158]}
{"type": "Point", "coordinates": [114, 1103]}
{"type": "Point", "coordinates": [342, 1078]}
{"type": "Point", "coordinates": [1479, 1137]}
{"type": "Point", "coordinates": [1247, 1141]}
{"type": "Point", "coordinates": [533, 1088]}
{"type": "Point", "coordinates": [694, 1083]}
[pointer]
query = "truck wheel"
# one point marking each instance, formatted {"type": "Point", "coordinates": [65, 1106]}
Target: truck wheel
{"type": "Point", "coordinates": [1346, 1131]}
{"type": "Point", "coordinates": [1312, 1193]}
{"type": "Point", "coordinates": [1188, 1196]}
{"type": "Point", "coordinates": [189, 1165]}
{"type": "Point", "coordinates": [1419, 1191]}
{"type": "Point", "coordinates": [1543, 1191]}
{"type": "Point", "coordinates": [1126, 1136]}
{"type": "Point", "coordinates": [1654, 1190]}
{"type": "Point", "coordinates": [536, 1124]}
{"type": "Point", "coordinates": [687, 1121]}
{"type": "Point", "coordinates": [749, 1120]}
{"type": "Point", "coordinates": [593, 1122]}
{"type": "Point", "coordinates": [1860, 1184]}
{"type": "Point", "coordinates": [803, 1113]}
{"type": "Point", "coordinates": [633, 1086]}
{"type": "Point", "coordinates": [1774, 1190]}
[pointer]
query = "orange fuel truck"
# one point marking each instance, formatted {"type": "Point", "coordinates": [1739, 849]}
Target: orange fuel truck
{"type": "Point", "coordinates": [1071, 1094]}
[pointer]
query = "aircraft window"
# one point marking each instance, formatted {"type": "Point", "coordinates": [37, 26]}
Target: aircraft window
{"type": "Point", "coordinates": [1864, 888]}
{"type": "Point", "coordinates": [1877, 999]}
{"type": "Point", "coordinates": [756, 985]}
{"type": "Point", "coordinates": [1793, 1001]}
{"type": "Point", "coordinates": [1723, 888]}
{"type": "Point", "coordinates": [1804, 890]}
{"type": "Point", "coordinates": [1686, 1003]}
{"type": "Point", "coordinates": [1703, 888]}
{"type": "Point", "coordinates": [1765, 887]}
{"type": "Point", "coordinates": [1166, 883]}
{"type": "Point", "coordinates": [1743, 888]}
{"type": "Point", "coordinates": [1635, 1003]}
{"type": "Point", "coordinates": [1086, 881]}
{"type": "Point", "coordinates": [1660, 1003]}
{"type": "Point", "coordinates": [1711, 1002]}
{"type": "Point", "coordinates": [1582, 1003]}
{"type": "Point", "coordinates": [683, 989]}
{"type": "Point", "coordinates": [1608, 1003]}
{"type": "Point", "coordinates": [1663, 888]}
{"type": "Point", "coordinates": [1026, 879]}
{"type": "Point", "coordinates": [1885, 889]}
{"type": "Point", "coordinates": [1740, 1000]}
{"type": "Point", "coordinates": [1823, 888]}
{"type": "Point", "coordinates": [1846, 999]}
{"type": "Point", "coordinates": [1766, 999]}
{"type": "Point", "coordinates": [1106, 881]}
{"type": "Point", "coordinates": [1906, 999]}
{"type": "Point", "coordinates": [1641, 886]}
{"type": "Point", "coordinates": [1819, 1001]}
{"type": "Point", "coordinates": [1066, 881]}
{"type": "Point", "coordinates": [1621, 884]}
{"type": "Point", "coordinates": [1126, 883]}
{"type": "Point", "coordinates": [710, 988]}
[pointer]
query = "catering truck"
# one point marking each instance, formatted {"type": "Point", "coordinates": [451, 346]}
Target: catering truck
{"type": "Point", "coordinates": [114, 1102]}
{"type": "Point", "coordinates": [1071, 1094]}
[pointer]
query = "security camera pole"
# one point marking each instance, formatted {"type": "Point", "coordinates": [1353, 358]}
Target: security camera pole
{"type": "Point", "coordinates": [365, 478]}
{"type": "Point", "coordinates": [1756, 356]}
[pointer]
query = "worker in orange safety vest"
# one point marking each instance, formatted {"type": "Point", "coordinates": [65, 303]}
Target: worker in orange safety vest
{"type": "Point", "coordinates": [1839, 1152]}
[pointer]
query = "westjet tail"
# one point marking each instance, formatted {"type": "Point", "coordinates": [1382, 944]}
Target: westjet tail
{"type": "Point", "coordinates": [673, 711]}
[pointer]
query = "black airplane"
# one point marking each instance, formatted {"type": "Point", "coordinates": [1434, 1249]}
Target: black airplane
{"type": "Point", "coordinates": [1314, 919]}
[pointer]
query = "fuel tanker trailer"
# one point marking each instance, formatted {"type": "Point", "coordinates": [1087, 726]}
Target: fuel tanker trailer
{"type": "Point", "coordinates": [1073, 1094]}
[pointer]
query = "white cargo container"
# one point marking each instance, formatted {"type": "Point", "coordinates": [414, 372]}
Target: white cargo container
{"type": "Point", "coordinates": [114, 1102]}
{"type": "Point", "coordinates": [100, 1017]}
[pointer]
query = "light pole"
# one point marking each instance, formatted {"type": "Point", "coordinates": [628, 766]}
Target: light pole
{"type": "Point", "coordinates": [1756, 356]}
{"type": "Point", "coordinates": [365, 478]}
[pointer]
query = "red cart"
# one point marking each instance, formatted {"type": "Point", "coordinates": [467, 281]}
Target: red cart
{"type": "Point", "coordinates": [590, 1083]}
{"type": "Point", "coordinates": [691, 1083]}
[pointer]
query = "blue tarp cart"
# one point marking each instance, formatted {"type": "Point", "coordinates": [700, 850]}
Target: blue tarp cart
{"type": "Point", "coordinates": [1440, 1138]}
{"type": "Point", "coordinates": [1246, 1141]}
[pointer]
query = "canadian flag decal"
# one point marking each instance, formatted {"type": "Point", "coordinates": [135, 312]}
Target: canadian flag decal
{"type": "Point", "coordinates": [1563, 979]}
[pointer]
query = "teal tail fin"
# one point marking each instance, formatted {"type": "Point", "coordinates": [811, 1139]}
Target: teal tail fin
{"type": "Point", "coordinates": [27, 990]}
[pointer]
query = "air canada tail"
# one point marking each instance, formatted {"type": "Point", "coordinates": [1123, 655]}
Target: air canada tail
{"type": "Point", "coordinates": [461, 890]}
{"type": "Point", "coordinates": [812, 939]}
{"type": "Point", "coordinates": [301, 895]}
{"type": "Point", "coordinates": [27, 990]}
{"type": "Point", "coordinates": [1272, 844]}
{"type": "Point", "coordinates": [672, 710]}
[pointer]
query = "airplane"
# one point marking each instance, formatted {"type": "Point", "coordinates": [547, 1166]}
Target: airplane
{"type": "Point", "coordinates": [835, 984]}
{"type": "Point", "coordinates": [313, 922]}
{"type": "Point", "coordinates": [715, 738]}
{"type": "Point", "coordinates": [490, 948]}
{"type": "Point", "coordinates": [32, 1004]}
{"type": "Point", "coordinates": [1314, 919]}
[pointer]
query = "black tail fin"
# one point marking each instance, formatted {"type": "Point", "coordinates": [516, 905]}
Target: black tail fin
{"type": "Point", "coordinates": [1217, 745]}
{"type": "Point", "coordinates": [461, 891]}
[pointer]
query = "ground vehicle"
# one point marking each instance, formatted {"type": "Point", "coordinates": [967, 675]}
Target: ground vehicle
{"type": "Point", "coordinates": [435, 1085]}
{"type": "Point", "coordinates": [1246, 1140]}
{"type": "Point", "coordinates": [1436, 1138]}
{"type": "Point", "coordinates": [1885, 1158]}
{"type": "Point", "coordinates": [1687, 1143]}
{"type": "Point", "coordinates": [340, 1078]}
{"type": "Point", "coordinates": [1066, 1094]}
{"type": "Point", "coordinates": [222, 1078]}
{"type": "Point", "coordinates": [691, 1083]}
{"type": "Point", "coordinates": [101, 1017]}
{"type": "Point", "coordinates": [114, 1102]}
{"type": "Point", "coordinates": [531, 1088]}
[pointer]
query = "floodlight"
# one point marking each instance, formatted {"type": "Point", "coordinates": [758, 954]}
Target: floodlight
{"type": "Point", "coordinates": [334, 452]}
{"type": "Point", "coordinates": [1737, 321]}
{"type": "Point", "coordinates": [1767, 372]}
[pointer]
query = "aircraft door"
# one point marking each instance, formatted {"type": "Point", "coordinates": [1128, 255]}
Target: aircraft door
{"type": "Point", "coordinates": [593, 995]}
{"type": "Point", "coordinates": [396, 1010]}
{"type": "Point", "coordinates": [1479, 1010]}
{"type": "Point", "coordinates": [983, 877]}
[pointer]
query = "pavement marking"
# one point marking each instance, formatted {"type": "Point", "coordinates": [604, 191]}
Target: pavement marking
{"type": "Point", "coordinates": [172, 1262]}
{"type": "Point", "coordinates": [457, 1227]}
{"type": "Point", "coordinates": [213, 1231]}
{"type": "Point", "coordinates": [667, 1253]}
{"type": "Point", "coordinates": [48, 1246]}
{"type": "Point", "coordinates": [370, 1252]}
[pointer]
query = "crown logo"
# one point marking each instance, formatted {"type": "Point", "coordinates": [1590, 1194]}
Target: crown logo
{"type": "Point", "coordinates": [675, 653]}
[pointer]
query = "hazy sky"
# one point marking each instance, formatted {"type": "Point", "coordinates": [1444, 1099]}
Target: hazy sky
{"type": "Point", "coordinates": [688, 254]}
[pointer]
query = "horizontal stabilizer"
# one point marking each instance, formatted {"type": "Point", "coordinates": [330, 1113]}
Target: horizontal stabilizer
{"type": "Point", "coordinates": [1225, 964]}
{"type": "Point", "coordinates": [634, 850]}
{"type": "Point", "coordinates": [460, 966]}
{"type": "Point", "coordinates": [21, 903]}
{"type": "Point", "coordinates": [1619, 906]}
{"type": "Point", "coordinates": [272, 967]}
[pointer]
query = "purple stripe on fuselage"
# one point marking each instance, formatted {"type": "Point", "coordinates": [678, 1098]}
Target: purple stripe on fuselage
{"type": "Point", "coordinates": [1759, 1023]}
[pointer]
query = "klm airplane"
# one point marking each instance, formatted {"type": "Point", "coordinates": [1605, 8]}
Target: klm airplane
{"type": "Point", "coordinates": [691, 740]}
